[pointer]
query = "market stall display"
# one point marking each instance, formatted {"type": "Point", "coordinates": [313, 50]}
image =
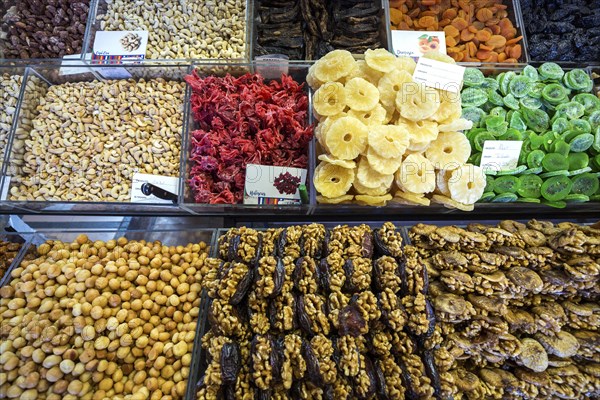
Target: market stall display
{"type": "Point", "coordinates": [101, 319]}
{"type": "Point", "coordinates": [381, 132]}
{"type": "Point", "coordinates": [475, 31]}
{"type": "Point", "coordinates": [308, 29]}
{"type": "Point", "coordinates": [556, 116]}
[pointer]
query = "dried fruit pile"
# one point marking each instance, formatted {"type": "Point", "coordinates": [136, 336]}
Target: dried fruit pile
{"type": "Point", "coordinates": [382, 132]}
{"type": "Point", "coordinates": [517, 309]}
{"type": "Point", "coordinates": [556, 116]}
{"type": "Point", "coordinates": [562, 31]}
{"type": "Point", "coordinates": [305, 312]}
{"type": "Point", "coordinates": [478, 30]}
{"type": "Point", "coordinates": [309, 29]}
{"type": "Point", "coordinates": [243, 121]}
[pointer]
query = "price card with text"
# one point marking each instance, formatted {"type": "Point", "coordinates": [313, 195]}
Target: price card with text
{"type": "Point", "coordinates": [500, 155]}
{"type": "Point", "coordinates": [414, 43]}
{"type": "Point", "coordinates": [439, 75]}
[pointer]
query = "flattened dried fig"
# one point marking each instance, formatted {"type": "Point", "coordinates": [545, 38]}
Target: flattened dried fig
{"type": "Point", "coordinates": [533, 355]}
{"type": "Point", "coordinates": [276, 359]}
{"type": "Point", "coordinates": [526, 279]}
{"type": "Point", "coordinates": [382, 390]}
{"type": "Point", "coordinates": [563, 344]}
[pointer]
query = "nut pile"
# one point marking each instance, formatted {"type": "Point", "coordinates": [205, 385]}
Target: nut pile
{"type": "Point", "coordinates": [10, 87]}
{"type": "Point", "coordinates": [478, 30]}
{"type": "Point", "coordinates": [306, 312]}
{"type": "Point", "coordinates": [38, 29]}
{"type": "Point", "coordinates": [95, 320]}
{"type": "Point", "coordinates": [90, 137]}
{"type": "Point", "coordinates": [8, 252]}
{"type": "Point", "coordinates": [516, 307]}
{"type": "Point", "coordinates": [181, 29]}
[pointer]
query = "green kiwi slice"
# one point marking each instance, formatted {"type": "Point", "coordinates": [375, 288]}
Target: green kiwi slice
{"type": "Point", "coordinates": [511, 134]}
{"type": "Point", "coordinates": [474, 114]}
{"type": "Point", "coordinates": [561, 147]}
{"type": "Point", "coordinates": [580, 126]}
{"type": "Point", "coordinates": [534, 159]}
{"type": "Point", "coordinates": [530, 102]}
{"type": "Point", "coordinates": [555, 204]}
{"type": "Point", "coordinates": [577, 79]}
{"type": "Point", "coordinates": [562, 172]}
{"type": "Point", "coordinates": [536, 120]}
{"type": "Point", "coordinates": [528, 200]}
{"type": "Point", "coordinates": [554, 93]}
{"type": "Point", "coordinates": [473, 97]}
{"type": "Point", "coordinates": [556, 188]}
{"type": "Point", "coordinates": [588, 100]}
{"type": "Point", "coordinates": [480, 138]}
{"type": "Point", "coordinates": [582, 142]}
{"type": "Point", "coordinates": [514, 171]}
{"type": "Point", "coordinates": [506, 184]}
{"type": "Point", "coordinates": [504, 81]}
{"type": "Point", "coordinates": [486, 197]}
{"type": "Point", "coordinates": [511, 102]}
{"type": "Point", "coordinates": [560, 125]}
{"type": "Point", "coordinates": [578, 161]}
{"type": "Point", "coordinates": [577, 198]}
{"type": "Point", "coordinates": [535, 171]}
{"type": "Point", "coordinates": [551, 71]}
{"type": "Point", "coordinates": [473, 77]}
{"type": "Point", "coordinates": [519, 86]}
{"type": "Point", "coordinates": [555, 162]}
{"type": "Point", "coordinates": [530, 186]}
{"type": "Point", "coordinates": [586, 184]}
{"type": "Point", "coordinates": [580, 171]}
{"type": "Point", "coordinates": [505, 198]}
{"type": "Point", "coordinates": [532, 73]}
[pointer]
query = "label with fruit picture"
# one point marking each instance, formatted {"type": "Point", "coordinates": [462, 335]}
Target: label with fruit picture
{"type": "Point", "coordinates": [273, 185]}
{"type": "Point", "coordinates": [416, 43]}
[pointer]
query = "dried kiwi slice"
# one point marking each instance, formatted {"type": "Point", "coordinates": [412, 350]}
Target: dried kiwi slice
{"type": "Point", "coordinates": [580, 171]}
{"type": "Point", "coordinates": [555, 204]}
{"type": "Point", "coordinates": [505, 198]}
{"type": "Point", "coordinates": [475, 159]}
{"type": "Point", "coordinates": [473, 77]}
{"type": "Point", "coordinates": [480, 138]}
{"type": "Point", "coordinates": [588, 101]}
{"type": "Point", "coordinates": [486, 197]}
{"type": "Point", "coordinates": [516, 121]}
{"type": "Point", "coordinates": [578, 161]}
{"type": "Point", "coordinates": [474, 114]}
{"type": "Point", "coordinates": [571, 110]}
{"type": "Point", "coordinates": [504, 81]}
{"type": "Point", "coordinates": [490, 83]}
{"type": "Point", "coordinates": [586, 184]}
{"type": "Point", "coordinates": [530, 186]}
{"type": "Point", "coordinates": [582, 142]}
{"type": "Point", "coordinates": [555, 162]}
{"type": "Point", "coordinates": [536, 89]}
{"type": "Point", "coordinates": [514, 171]}
{"type": "Point", "coordinates": [489, 184]}
{"type": "Point", "coordinates": [534, 159]}
{"type": "Point", "coordinates": [561, 147]}
{"type": "Point", "coordinates": [556, 188]}
{"type": "Point", "coordinates": [562, 172]}
{"type": "Point", "coordinates": [554, 93]}
{"type": "Point", "coordinates": [519, 86]}
{"type": "Point", "coordinates": [528, 200]}
{"type": "Point", "coordinates": [530, 72]}
{"type": "Point", "coordinates": [560, 125]}
{"type": "Point", "coordinates": [580, 126]}
{"type": "Point", "coordinates": [511, 102]}
{"type": "Point", "coordinates": [535, 171]}
{"type": "Point", "coordinates": [594, 119]}
{"type": "Point", "coordinates": [499, 112]}
{"type": "Point", "coordinates": [536, 120]}
{"type": "Point", "coordinates": [577, 198]}
{"type": "Point", "coordinates": [473, 97]}
{"type": "Point", "coordinates": [495, 98]}
{"type": "Point", "coordinates": [506, 184]}
{"type": "Point", "coordinates": [511, 134]}
{"type": "Point", "coordinates": [530, 102]}
{"type": "Point", "coordinates": [551, 71]}
{"type": "Point", "coordinates": [577, 79]}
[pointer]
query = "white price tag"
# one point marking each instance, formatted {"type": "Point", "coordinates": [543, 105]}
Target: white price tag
{"type": "Point", "coordinates": [416, 43]}
{"type": "Point", "coordinates": [500, 155]}
{"type": "Point", "coordinates": [146, 188]}
{"type": "Point", "coordinates": [273, 185]}
{"type": "Point", "coordinates": [439, 75]}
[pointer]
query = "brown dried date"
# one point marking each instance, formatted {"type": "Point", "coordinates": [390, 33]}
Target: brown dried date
{"type": "Point", "coordinates": [323, 275]}
{"type": "Point", "coordinates": [313, 371]}
{"type": "Point", "coordinates": [351, 320]}
{"type": "Point", "coordinates": [230, 363]}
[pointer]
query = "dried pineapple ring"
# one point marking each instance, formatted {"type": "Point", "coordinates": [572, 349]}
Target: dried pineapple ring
{"type": "Point", "coordinates": [389, 86]}
{"type": "Point", "coordinates": [449, 149]}
{"type": "Point", "coordinates": [449, 203]}
{"type": "Point", "coordinates": [389, 141]}
{"type": "Point", "coordinates": [323, 127]}
{"type": "Point", "coordinates": [441, 180]}
{"type": "Point", "coordinates": [332, 180]}
{"type": "Point", "coordinates": [342, 163]}
{"type": "Point", "coordinates": [347, 198]}
{"type": "Point", "coordinates": [421, 133]}
{"type": "Point", "coordinates": [370, 178]}
{"type": "Point", "coordinates": [377, 201]}
{"type": "Point", "coordinates": [361, 95]}
{"type": "Point", "coordinates": [417, 102]}
{"type": "Point", "coordinates": [406, 64]}
{"type": "Point", "coordinates": [380, 60]}
{"type": "Point", "coordinates": [312, 81]}
{"type": "Point", "coordinates": [449, 110]}
{"type": "Point", "coordinates": [436, 55]}
{"type": "Point", "coordinates": [466, 184]}
{"type": "Point", "coordinates": [346, 138]}
{"type": "Point", "coordinates": [385, 166]}
{"type": "Point", "coordinates": [362, 189]}
{"type": "Point", "coordinates": [410, 199]}
{"type": "Point", "coordinates": [416, 175]}
{"type": "Point", "coordinates": [362, 70]}
{"type": "Point", "coordinates": [329, 99]}
{"type": "Point", "coordinates": [334, 66]}
{"type": "Point", "coordinates": [376, 116]}
{"type": "Point", "coordinates": [460, 124]}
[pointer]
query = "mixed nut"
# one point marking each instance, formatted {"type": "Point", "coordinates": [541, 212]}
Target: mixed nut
{"type": "Point", "coordinates": [96, 320]}
{"type": "Point", "coordinates": [10, 87]}
{"type": "Point", "coordinates": [89, 138]}
{"type": "Point", "coordinates": [516, 306]}
{"type": "Point", "coordinates": [309, 312]}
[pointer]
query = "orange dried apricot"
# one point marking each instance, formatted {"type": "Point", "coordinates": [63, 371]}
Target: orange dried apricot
{"type": "Point", "coordinates": [471, 49]}
{"type": "Point", "coordinates": [496, 41]}
{"type": "Point", "coordinates": [483, 35]}
{"type": "Point", "coordinates": [449, 13]}
{"type": "Point", "coordinates": [502, 57]}
{"type": "Point", "coordinates": [486, 47]}
{"type": "Point", "coordinates": [460, 24]}
{"type": "Point", "coordinates": [451, 31]}
{"type": "Point", "coordinates": [484, 14]}
{"type": "Point", "coordinates": [427, 21]}
{"type": "Point", "coordinates": [515, 52]}
{"type": "Point", "coordinates": [450, 41]}
{"type": "Point", "coordinates": [483, 54]}
{"type": "Point", "coordinates": [396, 16]}
{"type": "Point", "coordinates": [466, 35]}
{"type": "Point", "coordinates": [514, 40]}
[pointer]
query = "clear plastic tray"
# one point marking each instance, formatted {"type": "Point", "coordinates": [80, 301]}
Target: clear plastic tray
{"type": "Point", "coordinates": [100, 6]}
{"type": "Point", "coordinates": [25, 240]}
{"type": "Point", "coordinates": [514, 14]}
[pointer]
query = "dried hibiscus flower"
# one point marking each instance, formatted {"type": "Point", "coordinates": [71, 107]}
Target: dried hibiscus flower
{"type": "Point", "coordinates": [244, 121]}
{"type": "Point", "coordinates": [287, 183]}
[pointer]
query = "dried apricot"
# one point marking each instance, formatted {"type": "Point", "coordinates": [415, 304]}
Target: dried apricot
{"type": "Point", "coordinates": [514, 41]}
{"type": "Point", "coordinates": [502, 57]}
{"type": "Point", "coordinates": [515, 52]}
{"type": "Point", "coordinates": [483, 36]}
{"type": "Point", "coordinates": [486, 47]}
{"type": "Point", "coordinates": [472, 49]}
{"type": "Point", "coordinates": [496, 41]}
{"type": "Point", "coordinates": [483, 54]}
{"type": "Point", "coordinates": [395, 16]}
{"type": "Point", "coordinates": [484, 14]}
{"type": "Point", "coordinates": [460, 24]}
{"type": "Point", "coordinates": [449, 13]}
{"type": "Point", "coordinates": [451, 31]}
{"type": "Point", "coordinates": [466, 35]}
{"type": "Point", "coordinates": [427, 21]}
{"type": "Point", "coordinates": [450, 41]}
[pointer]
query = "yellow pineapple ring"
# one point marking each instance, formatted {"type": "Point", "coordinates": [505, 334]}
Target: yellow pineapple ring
{"type": "Point", "coordinates": [449, 149]}
{"type": "Point", "coordinates": [389, 86]}
{"type": "Point", "coordinates": [376, 116]}
{"type": "Point", "coordinates": [361, 95]}
{"type": "Point", "coordinates": [323, 127]}
{"type": "Point", "coordinates": [334, 66]}
{"type": "Point", "coordinates": [421, 133]}
{"type": "Point", "coordinates": [312, 81]}
{"type": "Point", "coordinates": [346, 138]}
{"type": "Point", "coordinates": [376, 201]}
{"type": "Point", "coordinates": [466, 184]}
{"type": "Point", "coordinates": [459, 124]}
{"type": "Point", "coordinates": [417, 102]}
{"type": "Point", "coordinates": [347, 198]}
{"type": "Point", "coordinates": [389, 141]}
{"type": "Point", "coordinates": [342, 163]}
{"type": "Point", "coordinates": [362, 70]}
{"type": "Point", "coordinates": [332, 180]}
{"type": "Point", "coordinates": [406, 64]}
{"type": "Point", "coordinates": [448, 111]}
{"type": "Point", "coordinates": [410, 199]}
{"type": "Point", "coordinates": [385, 166]}
{"type": "Point", "coordinates": [362, 189]}
{"type": "Point", "coordinates": [449, 203]}
{"type": "Point", "coordinates": [370, 178]}
{"type": "Point", "coordinates": [329, 99]}
{"type": "Point", "coordinates": [380, 60]}
{"type": "Point", "coordinates": [416, 175]}
{"type": "Point", "coordinates": [436, 55]}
